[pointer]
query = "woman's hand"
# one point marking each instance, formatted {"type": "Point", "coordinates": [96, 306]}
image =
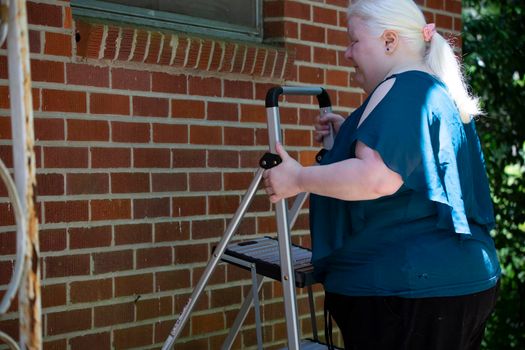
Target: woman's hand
{"type": "Point", "coordinates": [322, 125]}
{"type": "Point", "coordinates": [283, 180]}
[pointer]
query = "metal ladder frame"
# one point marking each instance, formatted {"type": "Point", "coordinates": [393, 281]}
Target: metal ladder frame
{"type": "Point", "coordinates": [285, 221]}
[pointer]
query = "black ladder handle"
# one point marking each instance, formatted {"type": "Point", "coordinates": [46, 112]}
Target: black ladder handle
{"type": "Point", "coordinates": [325, 106]}
{"type": "Point", "coordinates": [272, 96]}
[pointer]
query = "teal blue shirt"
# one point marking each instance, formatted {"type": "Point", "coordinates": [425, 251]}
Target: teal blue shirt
{"type": "Point", "coordinates": [431, 237]}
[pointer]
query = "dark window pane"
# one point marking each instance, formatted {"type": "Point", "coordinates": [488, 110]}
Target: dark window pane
{"type": "Point", "coordinates": [238, 12]}
{"type": "Point", "coordinates": [232, 19]}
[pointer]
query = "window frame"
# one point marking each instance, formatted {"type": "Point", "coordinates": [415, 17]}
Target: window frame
{"type": "Point", "coordinates": [170, 21]}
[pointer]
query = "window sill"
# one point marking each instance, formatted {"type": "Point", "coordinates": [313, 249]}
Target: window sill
{"type": "Point", "coordinates": [116, 43]}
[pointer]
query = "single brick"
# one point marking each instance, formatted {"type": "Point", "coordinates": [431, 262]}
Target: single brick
{"type": "Point", "coordinates": [112, 261]}
{"type": "Point", "coordinates": [128, 79]}
{"type": "Point", "coordinates": [58, 44]}
{"type": "Point", "coordinates": [70, 265]}
{"type": "Point", "coordinates": [89, 291]}
{"type": "Point", "coordinates": [89, 237]}
{"type": "Point", "coordinates": [109, 104]}
{"type": "Point", "coordinates": [87, 183]}
{"type": "Point", "coordinates": [87, 130]}
{"type": "Point", "coordinates": [63, 101]}
{"type": "Point", "coordinates": [150, 106]}
{"type": "Point", "coordinates": [47, 71]}
{"type": "Point", "coordinates": [83, 74]}
{"type": "Point", "coordinates": [68, 321]}
{"type": "Point", "coordinates": [110, 209]}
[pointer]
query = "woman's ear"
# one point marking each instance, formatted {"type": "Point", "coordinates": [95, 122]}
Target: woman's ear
{"type": "Point", "coordinates": [391, 40]}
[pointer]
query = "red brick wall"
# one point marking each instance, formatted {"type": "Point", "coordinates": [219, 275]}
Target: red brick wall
{"type": "Point", "coordinates": [143, 153]}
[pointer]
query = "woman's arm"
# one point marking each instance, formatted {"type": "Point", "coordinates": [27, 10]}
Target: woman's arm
{"type": "Point", "coordinates": [361, 178]}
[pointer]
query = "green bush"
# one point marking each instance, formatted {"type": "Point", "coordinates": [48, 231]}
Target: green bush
{"type": "Point", "coordinates": [494, 57]}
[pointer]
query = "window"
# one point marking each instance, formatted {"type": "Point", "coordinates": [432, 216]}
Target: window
{"type": "Point", "coordinates": [236, 19]}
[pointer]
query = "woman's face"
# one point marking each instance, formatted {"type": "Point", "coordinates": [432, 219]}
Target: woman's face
{"type": "Point", "coordinates": [367, 52]}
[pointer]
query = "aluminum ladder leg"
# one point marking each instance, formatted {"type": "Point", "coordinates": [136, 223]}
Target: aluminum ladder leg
{"type": "Point", "coordinates": [281, 211]}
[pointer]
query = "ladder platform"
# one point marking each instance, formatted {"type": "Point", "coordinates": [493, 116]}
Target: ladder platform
{"type": "Point", "coordinates": [264, 253]}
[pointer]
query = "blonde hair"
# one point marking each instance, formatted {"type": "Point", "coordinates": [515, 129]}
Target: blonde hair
{"type": "Point", "coordinates": [405, 17]}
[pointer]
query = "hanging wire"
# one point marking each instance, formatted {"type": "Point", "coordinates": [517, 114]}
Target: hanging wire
{"type": "Point", "coordinates": [20, 239]}
{"type": "Point", "coordinates": [20, 251]}
{"type": "Point", "coordinates": [9, 341]}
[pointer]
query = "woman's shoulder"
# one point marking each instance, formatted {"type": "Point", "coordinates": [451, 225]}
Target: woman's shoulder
{"type": "Point", "coordinates": [416, 77]}
{"type": "Point", "coordinates": [406, 85]}
{"type": "Point", "coordinates": [407, 97]}
{"type": "Point", "coordinates": [421, 90]}
{"type": "Point", "coordinates": [421, 84]}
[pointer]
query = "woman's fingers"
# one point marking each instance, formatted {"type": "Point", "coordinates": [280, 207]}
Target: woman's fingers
{"type": "Point", "coordinates": [281, 182]}
{"type": "Point", "coordinates": [268, 188]}
{"type": "Point", "coordinates": [320, 134]}
{"type": "Point", "coordinates": [274, 198]}
{"type": "Point", "coordinates": [267, 182]}
{"type": "Point", "coordinates": [320, 127]}
{"type": "Point", "coordinates": [281, 151]}
{"type": "Point", "coordinates": [324, 122]}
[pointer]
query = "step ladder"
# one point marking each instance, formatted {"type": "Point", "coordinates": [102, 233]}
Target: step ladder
{"type": "Point", "coordinates": [286, 269]}
{"type": "Point", "coordinates": [261, 257]}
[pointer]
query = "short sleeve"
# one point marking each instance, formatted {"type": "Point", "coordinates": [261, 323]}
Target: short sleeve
{"type": "Point", "coordinates": [418, 133]}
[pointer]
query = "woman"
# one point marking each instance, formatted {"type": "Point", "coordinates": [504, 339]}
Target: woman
{"type": "Point", "coordinates": [400, 211]}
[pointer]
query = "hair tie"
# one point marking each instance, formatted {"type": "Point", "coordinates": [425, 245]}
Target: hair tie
{"type": "Point", "coordinates": [428, 31]}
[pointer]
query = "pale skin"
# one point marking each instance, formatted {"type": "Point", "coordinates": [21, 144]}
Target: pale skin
{"type": "Point", "coordinates": [366, 176]}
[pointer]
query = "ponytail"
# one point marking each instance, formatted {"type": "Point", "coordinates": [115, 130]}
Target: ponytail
{"type": "Point", "coordinates": [440, 58]}
{"type": "Point", "coordinates": [405, 17]}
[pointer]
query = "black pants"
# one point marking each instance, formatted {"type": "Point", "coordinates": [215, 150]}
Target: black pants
{"type": "Point", "coordinates": [393, 323]}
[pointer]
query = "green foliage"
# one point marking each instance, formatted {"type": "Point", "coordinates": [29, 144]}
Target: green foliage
{"type": "Point", "coordinates": [494, 49]}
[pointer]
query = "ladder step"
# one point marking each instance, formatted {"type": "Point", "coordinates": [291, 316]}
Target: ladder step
{"type": "Point", "coordinates": [264, 253]}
